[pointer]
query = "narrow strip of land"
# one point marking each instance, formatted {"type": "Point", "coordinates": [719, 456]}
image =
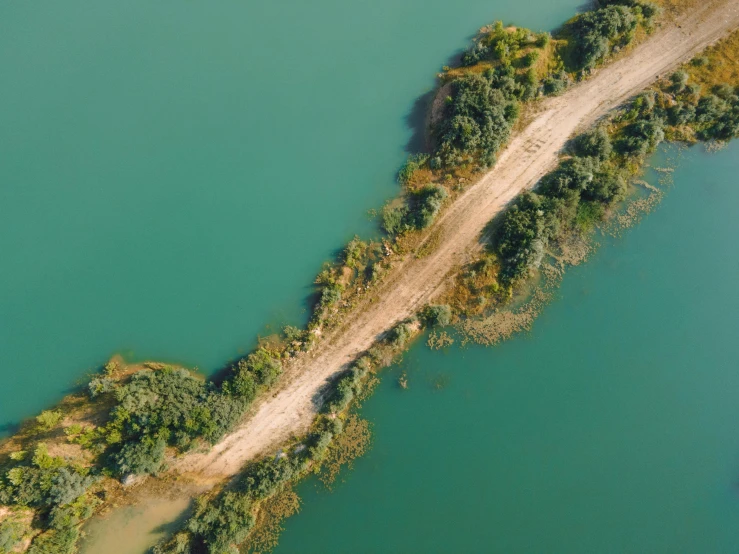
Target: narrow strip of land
{"type": "Point", "coordinates": [414, 282]}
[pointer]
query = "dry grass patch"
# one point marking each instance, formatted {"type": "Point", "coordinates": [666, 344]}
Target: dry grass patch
{"type": "Point", "coordinates": [272, 512]}
{"type": "Point", "coordinates": [719, 64]}
{"type": "Point", "coordinates": [476, 288]}
{"type": "Point", "coordinates": [439, 340]}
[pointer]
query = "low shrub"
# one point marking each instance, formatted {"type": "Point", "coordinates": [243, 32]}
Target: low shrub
{"type": "Point", "coordinates": [434, 315]}
{"type": "Point", "coordinates": [56, 542]}
{"type": "Point", "coordinates": [419, 212]}
{"type": "Point", "coordinates": [48, 419]}
{"type": "Point", "coordinates": [11, 535]}
{"type": "Point", "coordinates": [425, 206]}
{"type": "Point", "coordinates": [594, 144]}
{"type": "Point", "coordinates": [557, 83]}
{"type": "Point", "coordinates": [480, 116]}
{"type": "Point", "coordinates": [395, 219]}
{"type": "Point", "coordinates": [412, 164]}
{"type": "Point", "coordinates": [641, 137]}
{"type": "Point", "coordinates": [400, 335]}
{"type": "Point", "coordinates": [598, 32]}
{"type": "Point", "coordinates": [100, 385]}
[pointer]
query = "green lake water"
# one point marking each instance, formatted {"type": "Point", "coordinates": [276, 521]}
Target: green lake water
{"type": "Point", "coordinates": [613, 427]}
{"type": "Point", "coordinates": [174, 173]}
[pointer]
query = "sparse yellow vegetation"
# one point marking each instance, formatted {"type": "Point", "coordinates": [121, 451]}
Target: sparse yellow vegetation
{"type": "Point", "coordinates": [476, 287]}
{"type": "Point", "coordinates": [347, 447]}
{"type": "Point", "coordinates": [272, 512]}
{"type": "Point", "coordinates": [719, 64]}
{"type": "Point", "coordinates": [439, 340]}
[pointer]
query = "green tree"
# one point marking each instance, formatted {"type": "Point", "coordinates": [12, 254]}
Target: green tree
{"type": "Point", "coordinates": [596, 32]}
{"type": "Point", "coordinates": [69, 486]}
{"type": "Point", "coordinates": [520, 229]}
{"type": "Point", "coordinates": [440, 315]}
{"type": "Point", "coordinates": [55, 542]}
{"type": "Point", "coordinates": [48, 419]}
{"type": "Point", "coordinates": [11, 534]}
{"type": "Point", "coordinates": [595, 143]}
{"type": "Point", "coordinates": [141, 457]}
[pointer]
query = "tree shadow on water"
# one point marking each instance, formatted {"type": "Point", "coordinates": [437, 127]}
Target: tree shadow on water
{"type": "Point", "coordinates": [171, 527]}
{"type": "Point", "coordinates": [417, 117]}
{"type": "Point", "coordinates": [417, 122]}
{"type": "Point", "coordinates": [9, 428]}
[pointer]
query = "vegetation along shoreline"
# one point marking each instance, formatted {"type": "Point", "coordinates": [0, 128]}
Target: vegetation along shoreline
{"type": "Point", "coordinates": [157, 420]}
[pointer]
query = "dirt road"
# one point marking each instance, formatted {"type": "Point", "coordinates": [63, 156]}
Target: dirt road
{"type": "Point", "coordinates": [530, 154]}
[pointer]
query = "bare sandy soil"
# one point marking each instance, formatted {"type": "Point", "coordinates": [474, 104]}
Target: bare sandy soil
{"type": "Point", "coordinates": [414, 282]}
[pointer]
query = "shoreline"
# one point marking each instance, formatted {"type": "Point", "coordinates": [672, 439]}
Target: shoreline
{"type": "Point", "coordinates": [407, 294]}
{"type": "Point", "coordinates": [423, 272]}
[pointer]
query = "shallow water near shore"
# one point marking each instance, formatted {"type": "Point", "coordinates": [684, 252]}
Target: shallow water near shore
{"type": "Point", "coordinates": [135, 528]}
{"type": "Point", "coordinates": [611, 427]}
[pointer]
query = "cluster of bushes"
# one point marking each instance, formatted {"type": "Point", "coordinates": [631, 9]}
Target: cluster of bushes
{"type": "Point", "coordinates": [150, 411]}
{"type": "Point", "coordinates": [12, 532]}
{"type": "Point", "coordinates": [329, 297]}
{"type": "Point", "coordinates": [713, 116]}
{"type": "Point", "coordinates": [418, 212]}
{"type": "Point", "coordinates": [575, 190]}
{"type": "Point", "coordinates": [56, 489]}
{"type": "Point", "coordinates": [154, 409]}
{"type": "Point", "coordinates": [437, 315]}
{"type": "Point", "coordinates": [354, 253]}
{"type": "Point", "coordinates": [679, 104]}
{"type": "Point", "coordinates": [504, 46]}
{"type": "Point", "coordinates": [555, 83]}
{"type": "Point", "coordinates": [599, 32]}
{"type": "Point", "coordinates": [520, 240]}
{"type": "Point", "coordinates": [222, 522]}
{"type": "Point", "coordinates": [171, 407]}
{"type": "Point", "coordinates": [359, 263]}
{"type": "Point", "coordinates": [348, 385]}
{"type": "Point", "coordinates": [411, 165]}
{"type": "Point", "coordinates": [479, 116]}
{"type": "Point", "coordinates": [258, 371]}
{"type": "Point", "coordinates": [56, 541]}
{"type": "Point", "coordinates": [225, 522]}
{"type": "Point", "coordinates": [329, 292]}
{"type": "Point", "coordinates": [399, 336]}
{"type": "Point", "coordinates": [482, 108]}
{"type": "Point", "coordinates": [594, 177]}
{"type": "Point", "coordinates": [44, 481]}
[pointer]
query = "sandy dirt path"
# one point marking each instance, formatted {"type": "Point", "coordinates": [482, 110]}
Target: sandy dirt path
{"type": "Point", "coordinates": [530, 154]}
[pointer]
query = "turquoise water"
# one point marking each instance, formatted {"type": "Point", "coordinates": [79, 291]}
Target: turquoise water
{"type": "Point", "coordinates": [174, 173]}
{"type": "Point", "coordinates": [610, 428]}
